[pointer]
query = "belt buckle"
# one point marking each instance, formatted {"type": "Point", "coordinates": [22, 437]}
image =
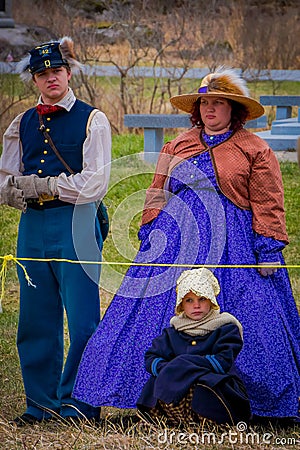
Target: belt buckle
{"type": "Point", "coordinates": [46, 198]}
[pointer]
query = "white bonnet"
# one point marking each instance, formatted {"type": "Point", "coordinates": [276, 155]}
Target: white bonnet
{"type": "Point", "coordinates": [201, 282]}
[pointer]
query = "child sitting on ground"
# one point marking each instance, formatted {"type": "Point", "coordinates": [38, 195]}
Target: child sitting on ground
{"type": "Point", "coordinates": [192, 362]}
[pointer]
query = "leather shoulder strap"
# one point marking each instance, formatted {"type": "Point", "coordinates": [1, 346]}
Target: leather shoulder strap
{"type": "Point", "coordinates": [52, 145]}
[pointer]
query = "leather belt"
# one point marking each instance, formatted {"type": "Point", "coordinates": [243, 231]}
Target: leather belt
{"type": "Point", "coordinates": [40, 204]}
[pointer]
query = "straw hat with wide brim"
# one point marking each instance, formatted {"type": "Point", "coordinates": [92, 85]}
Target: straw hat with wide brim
{"type": "Point", "coordinates": [225, 83]}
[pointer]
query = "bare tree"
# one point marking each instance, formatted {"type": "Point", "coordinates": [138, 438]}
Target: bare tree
{"type": "Point", "coordinates": [13, 96]}
{"type": "Point", "coordinates": [168, 38]}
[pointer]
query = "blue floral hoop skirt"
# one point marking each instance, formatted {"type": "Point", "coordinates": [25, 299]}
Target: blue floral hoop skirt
{"type": "Point", "coordinates": [198, 225]}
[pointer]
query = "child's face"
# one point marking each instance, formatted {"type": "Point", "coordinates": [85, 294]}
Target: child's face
{"type": "Point", "coordinates": [195, 307]}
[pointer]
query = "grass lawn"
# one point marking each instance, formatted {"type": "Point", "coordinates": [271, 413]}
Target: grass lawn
{"type": "Point", "coordinates": [130, 177]}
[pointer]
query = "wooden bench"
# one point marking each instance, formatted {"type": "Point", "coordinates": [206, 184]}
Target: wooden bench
{"type": "Point", "coordinates": [154, 125]}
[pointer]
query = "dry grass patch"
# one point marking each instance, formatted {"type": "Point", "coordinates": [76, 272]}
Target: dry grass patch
{"type": "Point", "coordinates": [59, 436]}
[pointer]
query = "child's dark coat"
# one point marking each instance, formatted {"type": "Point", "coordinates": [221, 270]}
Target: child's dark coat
{"type": "Point", "coordinates": [176, 361]}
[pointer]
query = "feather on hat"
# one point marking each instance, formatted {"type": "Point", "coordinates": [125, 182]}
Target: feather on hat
{"type": "Point", "coordinates": [225, 83]}
{"type": "Point", "coordinates": [49, 55]}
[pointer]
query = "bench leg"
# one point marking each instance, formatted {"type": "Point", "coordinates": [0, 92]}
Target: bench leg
{"type": "Point", "coordinates": [283, 112]}
{"type": "Point", "coordinates": [153, 142]}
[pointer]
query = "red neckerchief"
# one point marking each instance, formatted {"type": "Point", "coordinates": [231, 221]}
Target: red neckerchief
{"type": "Point", "coordinates": [48, 109]}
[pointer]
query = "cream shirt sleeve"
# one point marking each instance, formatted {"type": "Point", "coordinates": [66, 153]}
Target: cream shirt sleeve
{"type": "Point", "coordinates": [11, 159]}
{"type": "Point", "coordinates": [92, 182]}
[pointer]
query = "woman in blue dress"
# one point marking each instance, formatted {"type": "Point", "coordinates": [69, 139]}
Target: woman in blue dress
{"type": "Point", "coordinates": [216, 199]}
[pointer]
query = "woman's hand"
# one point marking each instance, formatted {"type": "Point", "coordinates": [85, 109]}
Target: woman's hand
{"type": "Point", "coordinates": [266, 271]}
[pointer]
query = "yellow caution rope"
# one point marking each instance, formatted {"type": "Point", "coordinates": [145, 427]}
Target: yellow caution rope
{"type": "Point", "coordinates": [3, 273]}
{"type": "Point", "coordinates": [6, 258]}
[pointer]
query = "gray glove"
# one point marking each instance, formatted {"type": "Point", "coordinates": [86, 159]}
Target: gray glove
{"type": "Point", "coordinates": [11, 195]}
{"type": "Point", "coordinates": [34, 186]}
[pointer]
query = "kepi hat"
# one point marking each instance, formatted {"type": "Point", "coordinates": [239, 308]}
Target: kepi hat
{"type": "Point", "coordinates": [201, 282]}
{"type": "Point", "coordinates": [49, 55]}
{"type": "Point", "coordinates": [225, 83]}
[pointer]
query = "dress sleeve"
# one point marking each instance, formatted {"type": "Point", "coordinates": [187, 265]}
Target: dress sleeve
{"type": "Point", "coordinates": [144, 231]}
{"type": "Point", "coordinates": [267, 249]}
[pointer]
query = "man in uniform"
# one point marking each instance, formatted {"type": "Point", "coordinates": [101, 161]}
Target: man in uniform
{"type": "Point", "coordinates": [55, 166]}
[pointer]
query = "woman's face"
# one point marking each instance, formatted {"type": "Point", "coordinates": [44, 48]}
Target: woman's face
{"type": "Point", "coordinates": [216, 114]}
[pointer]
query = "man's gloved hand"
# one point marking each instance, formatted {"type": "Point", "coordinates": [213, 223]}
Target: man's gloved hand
{"type": "Point", "coordinates": [11, 195]}
{"type": "Point", "coordinates": [34, 186]}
